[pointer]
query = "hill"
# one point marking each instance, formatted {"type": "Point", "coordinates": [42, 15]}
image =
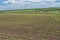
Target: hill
{"type": "Point", "coordinates": [30, 24]}
{"type": "Point", "coordinates": [30, 10]}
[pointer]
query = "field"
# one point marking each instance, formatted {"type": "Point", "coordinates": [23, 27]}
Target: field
{"type": "Point", "coordinates": [29, 25]}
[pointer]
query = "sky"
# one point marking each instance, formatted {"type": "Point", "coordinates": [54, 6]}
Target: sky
{"type": "Point", "coordinates": [27, 4]}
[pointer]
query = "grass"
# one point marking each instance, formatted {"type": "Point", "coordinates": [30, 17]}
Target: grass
{"type": "Point", "coordinates": [26, 26]}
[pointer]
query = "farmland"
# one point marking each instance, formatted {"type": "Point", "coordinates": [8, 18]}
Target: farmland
{"type": "Point", "coordinates": [29, 25]}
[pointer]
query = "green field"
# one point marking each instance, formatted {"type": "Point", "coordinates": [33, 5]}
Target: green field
{"type": "Point", "coordinates": [29, 25]}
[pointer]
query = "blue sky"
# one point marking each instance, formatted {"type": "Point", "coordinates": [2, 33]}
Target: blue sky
{"type": "Point", "coordinates": [24, 4]}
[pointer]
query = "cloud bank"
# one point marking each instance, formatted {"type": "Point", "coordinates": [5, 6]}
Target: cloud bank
{"type": "Point", "coordinates": [22, 4]}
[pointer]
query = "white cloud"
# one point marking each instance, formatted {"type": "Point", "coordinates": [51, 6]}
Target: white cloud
{"type": "Point", "coordinates": [12, 1]}
{"type": "Point", "coordinates": [18, 4]}
{"type": "Point", "coordinates": [36, 0]}
{"type": "Point", "coordinates": [42, 0]}
{"type": "Point", "coordinates": [30, 2]}
{"type": "Point", "coordinates": [19, 1]}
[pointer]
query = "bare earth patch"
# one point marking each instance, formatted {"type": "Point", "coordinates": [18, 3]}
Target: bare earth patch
{"type": "Point", "coordinates": [29, 27]}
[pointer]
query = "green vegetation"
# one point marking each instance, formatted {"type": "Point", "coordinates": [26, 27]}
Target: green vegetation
{"type": "Point", "coordinates": [30, 24]}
